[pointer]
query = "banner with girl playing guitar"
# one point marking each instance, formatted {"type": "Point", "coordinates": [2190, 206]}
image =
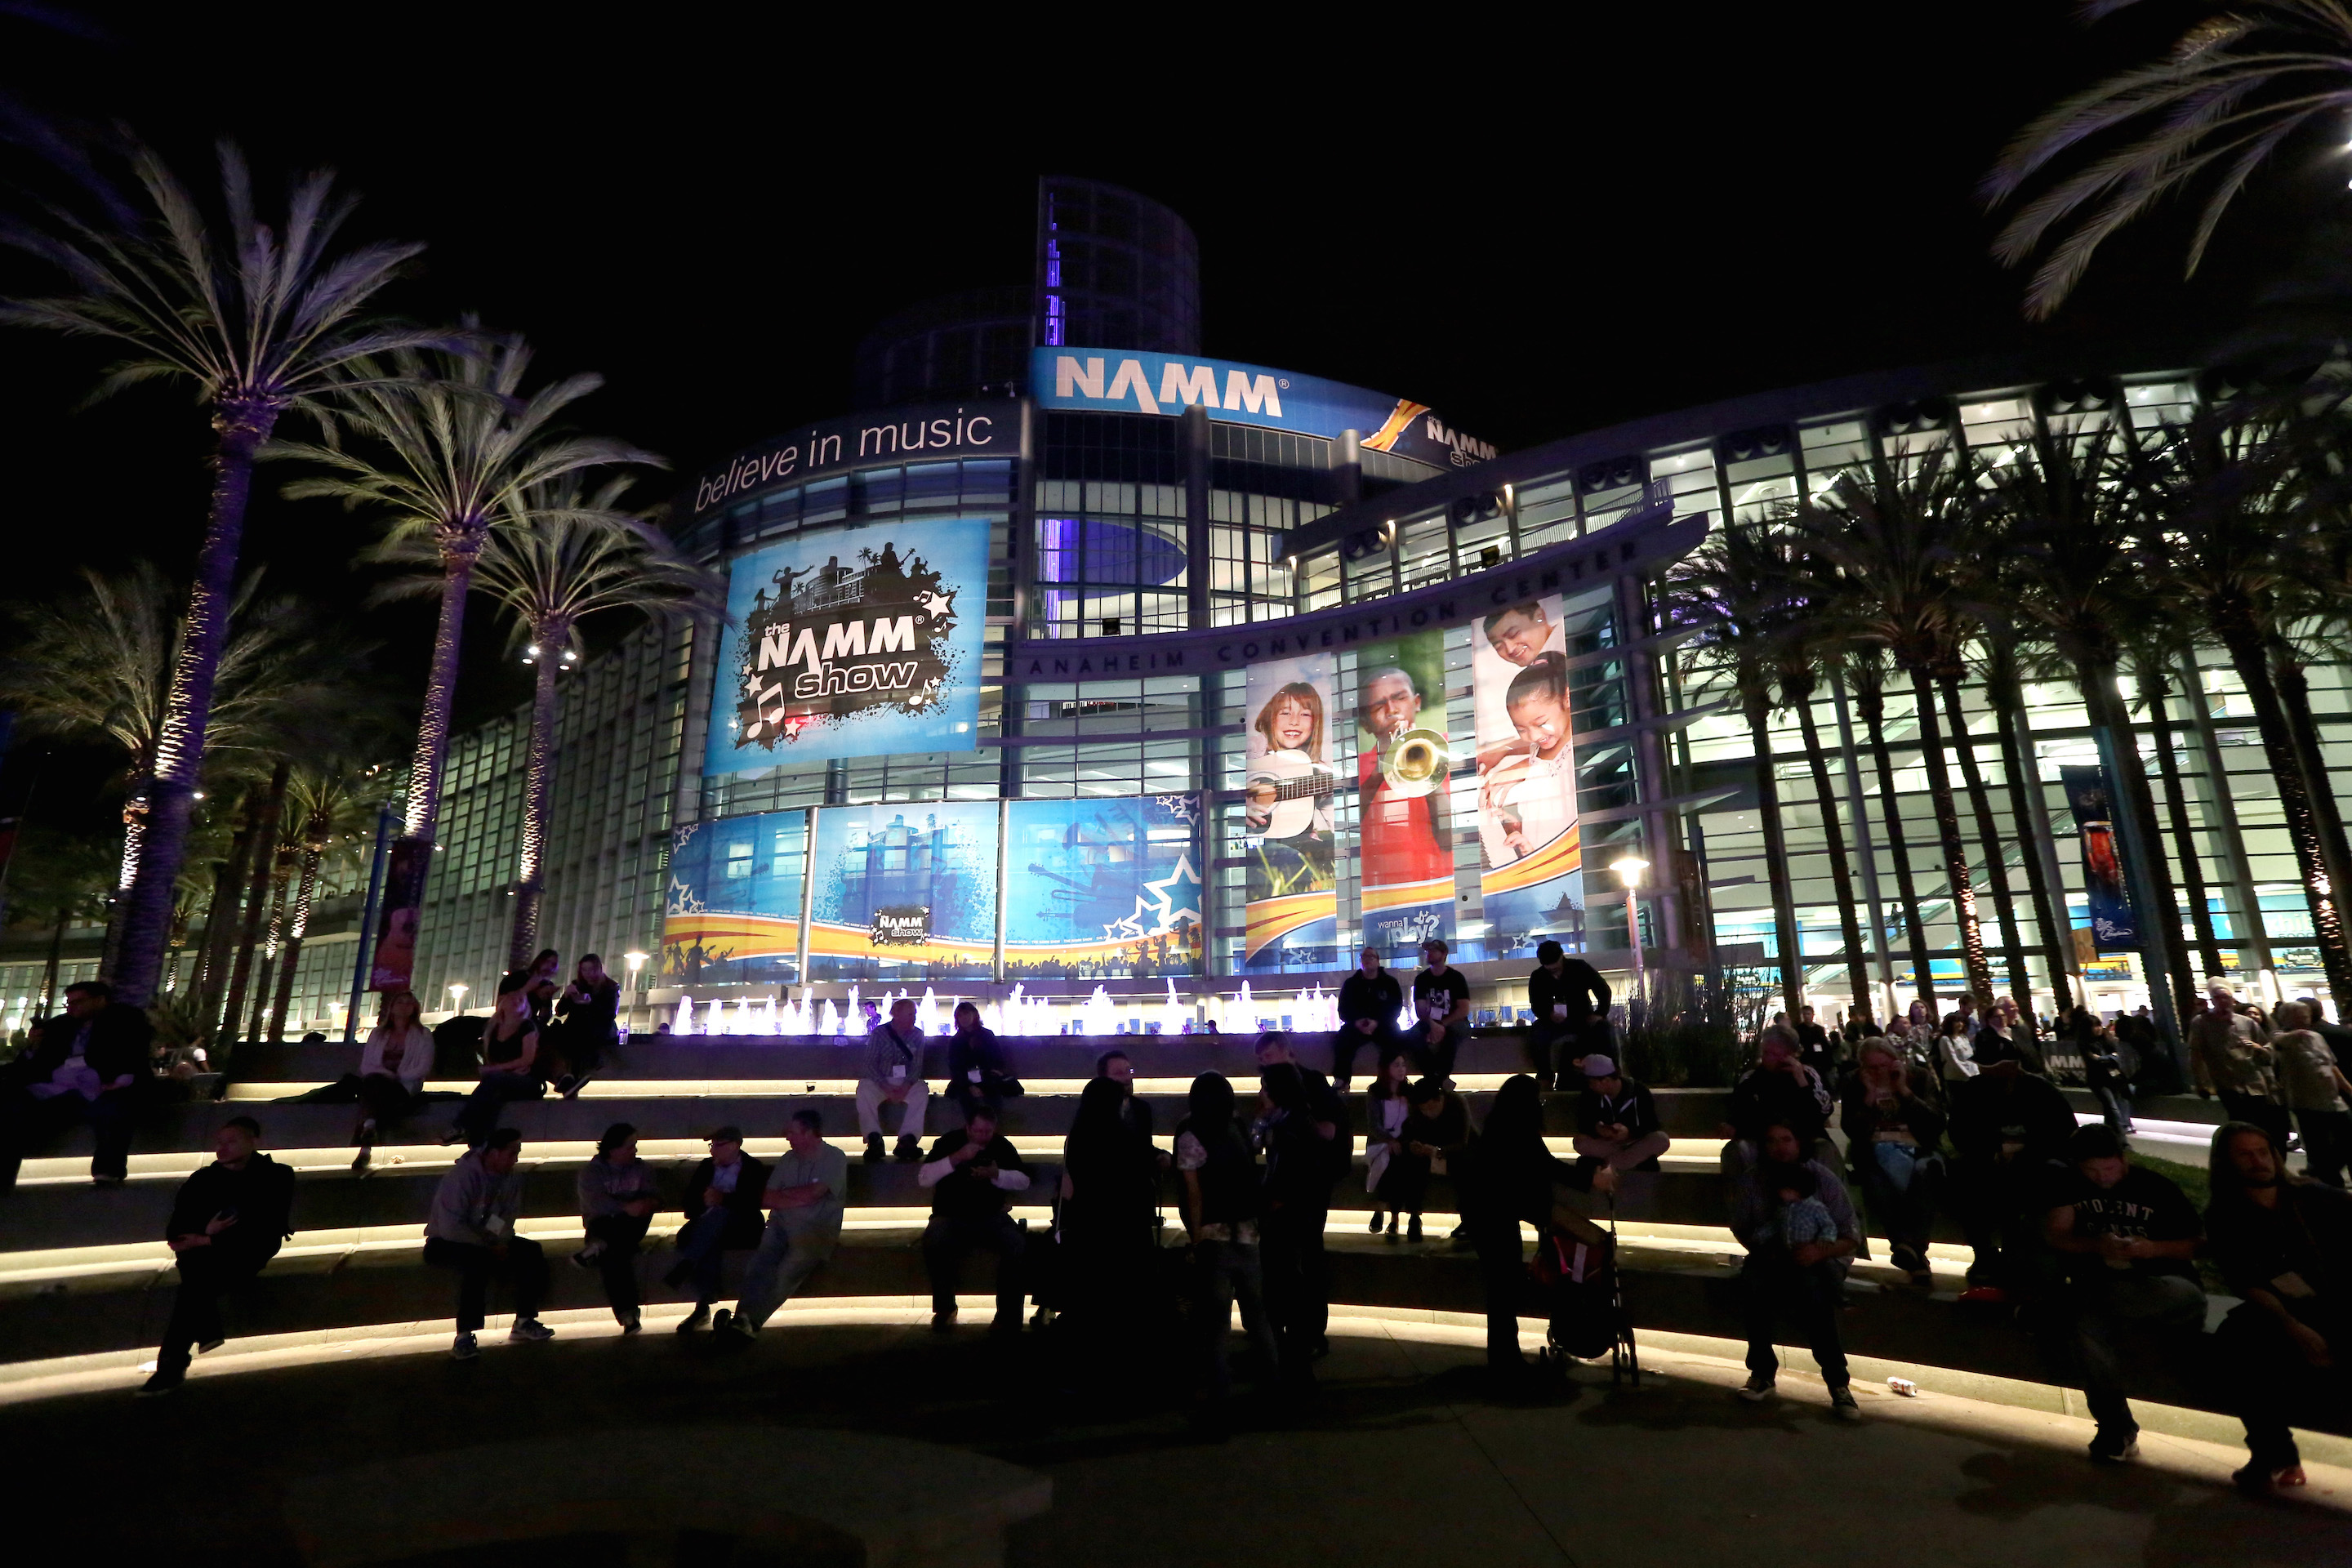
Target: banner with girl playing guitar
{"type": "Point", "coordinates": [1292, 918]}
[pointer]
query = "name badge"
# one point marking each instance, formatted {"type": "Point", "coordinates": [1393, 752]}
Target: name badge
{"type": "Point", "coordinates": [898, 1074]}
{"type": "Point", "coordinates": [1559, 1009]}
{"type": "Point", "coordinates": [973, 1074]}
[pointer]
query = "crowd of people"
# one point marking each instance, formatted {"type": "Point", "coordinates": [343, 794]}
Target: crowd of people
{"type": "Point", "coordinates": [2094, 1254]}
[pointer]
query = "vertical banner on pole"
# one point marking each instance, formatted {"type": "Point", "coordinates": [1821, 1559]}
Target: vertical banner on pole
{"type": "Point", "coordinates": [2114, 928]}
{"type": "Point", "coordinates": [1293, 920]}
{"type": "Point", "coordinates": [403, 904]}
{"type": "Point", "coordinates": [1533, 878]}
{"type": "Point", "coordinates": [1402, 795]}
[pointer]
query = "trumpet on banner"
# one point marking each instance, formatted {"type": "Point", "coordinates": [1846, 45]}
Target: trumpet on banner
{"type": "Point", "coordinates": [1415, 762]}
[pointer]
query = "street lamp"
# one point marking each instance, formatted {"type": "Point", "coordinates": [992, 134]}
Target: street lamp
{"type": "Point", "coordinates": [458, 994]}
{"type": "Point", "coordinates": [1629, 870]}
{"type": "Point", "coordinates": [635, 961]}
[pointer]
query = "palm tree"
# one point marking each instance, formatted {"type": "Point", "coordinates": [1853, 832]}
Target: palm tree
{"type": "Point", "coordinates": [1996, 854]}
{"type": "Point", "coordinates": [1898, 534]}
{"type": "Point", "coordinates": [264, 811]}
{"type": "Point", "coordinates": [57, 879]}
{"type": "Point", "coordinates": [2151, 659]}
{"type": "Point", "coordinates": [2214, 495]}
{"type": "Point", "coordinates": [2202, 118]}
{"type": "Point", "coordinates": [1866, 669]}
{"type": "Point", "coordinates": [332, 805]}
{"type": "Point", "coordinates": [98, 664]}
{"type": "Point", "coordinates": [2004, 689]}
{"type": "Point", "coordinates": [557, 557]}
{"type": "Point", "coordinates": [452, 443]}
{"type": "Point", "coordinates": [260, 318]}
{"type": "Point", "coordinates": [1803, 655]}
{"type": "Point", "coordinates": [2075, 562]}
{"type": "Point", "coordinates": [1732, 590]}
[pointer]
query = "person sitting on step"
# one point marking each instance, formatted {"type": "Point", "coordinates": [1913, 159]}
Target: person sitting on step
{"type": "Point", "coordinates": [723, 1215]}
{"type": "Point", "coordinates": [807, 1193]}
{"type": "Point", "coordinates": [618, 1196]}
{"type": "Point", "coordinates": [972, 1173]}
{"type": "Point", "coordinates": [894, 1075]}
{"type": "Point", "coordinates": [472, 1230]}
{"type": "Point", "coordinates": [226, 1224]}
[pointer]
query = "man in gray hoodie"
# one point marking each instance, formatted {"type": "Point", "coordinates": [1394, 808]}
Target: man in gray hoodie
{"type": "Point", "coordinates": [472, 1230]}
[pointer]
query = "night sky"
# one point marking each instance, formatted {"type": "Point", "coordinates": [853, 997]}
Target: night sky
{"type": "Point", "coordinates": [1537, 232]}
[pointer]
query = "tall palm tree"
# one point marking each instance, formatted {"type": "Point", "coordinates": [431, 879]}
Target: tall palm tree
{"type": "Point", "coordinates": [330, 805]}
{"type": "Point", "coordinates": [1898, 534]}
{"type": "Point", "coordinates": [265, 811]}
{"type": "Point", "coordinates": [557, 557]}
{"type": "Point", "coordinates": [451, 443]}
{"type": "Point", "coordinates": [1732, 589]}
{"type": "Point", "coordinates": [1803, 656]}
{"type": "Point", "coordinates": [2075, 562]}
{"type": "Point", "coordinates": [1989, 839]}
{"type": "Point", "coordinates": [2199, 119]}
{"type": "Point", "coordinates": [97, 664]}
{"type": "Point", "coordinates": [2214, 495]}
{"type": "Point", "coordinates": [2151, 658]}
{"type": "Point", "coordinates": [260, 317]}
{"type": "Point", "coordinates": [2004, 689]}
{"type": "Point", "coordinates": [1866, 669]}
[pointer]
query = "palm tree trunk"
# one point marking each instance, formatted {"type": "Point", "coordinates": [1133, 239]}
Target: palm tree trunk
{"type": "Point", "coordinates": [2175, 806]}
{"type": "Point", "coordinates": [243, 424]}
{"type": "Point", "coordinates": [220, 915]}
{"type": "Point", "coordinates": [273, 945]}
{"type": "Point", "coordinates": [1871, 699]}
{"type": "Point", "coordinates": [2294, 697]}
{"type": "Point", "coordinates": [1857, 961]}
{"type": "Point", "coordinates": [1948, 834]}
{"type": "Point", "coordinates": [57, 954]}
{"type": "Point", "coordinates": [2166, 961]}
{"type": "Point", "coordinates": [2320, 893]}
{"type": "Point", "coordinates": [135, 838]}
{"type": "Point", "coordinates": [538, 782]}
{"type": "Point", "coordinates": [460, 549]}
{"type": "Point", "coordinates": [2009, 721]}
{"type": "Point", "coordinates": [265, 841]}
{"type": "Point", "coordinates": [1788, 942]}
{"type": "Point", "coordinates": [313, 852]}
{"type": "Point", "coordinates": [1996, 855]}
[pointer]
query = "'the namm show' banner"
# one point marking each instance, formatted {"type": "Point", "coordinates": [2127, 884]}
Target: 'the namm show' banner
{"type": "Point", "coordinates": [852, 642]}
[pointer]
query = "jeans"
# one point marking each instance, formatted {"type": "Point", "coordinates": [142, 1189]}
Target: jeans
{"type": "Point", "coordinates": [1503, 1271]}
{"type": "Point", "coordinates": [2114, 1105]}
{"type": "Point", "coordinates": [207, 1273]}
{"type": "Point", "coordinates": [2261, 1110]}
{"type": "Point", "coordinates": [1773, 1282]}
{"type": "Point", "coordinates": [1231, 1272]}
{"type": "Point", "coordinates": [946, 1242]}
{"type": "Point", "coordinates": [2100, 1307]}
{"type": "Point", "coordinates": [1298, 1284]}
{"type": "Point", "coordinates": [1436, 1060]}
{"type": "Point", "coordinates": [2266, 1375]}
{"type": "Point", "coordinates": [1621, 1157]}
{"type": "Point", "coordinates": [702, 1253]}
{"type": "Point", "coordinates": [1404, 1184]}
{"type": "Point", "coordinates": [1346, 1041]}
{"type": "Point", "coordinates": [871, 1099]}
{"type": "Point", "coordinates": [1900, 1185]}
{"type": "Point", "coordinates": [1993, 1196]}
{"type": "Point", "coordinates": [2327, 1145]}
{"type": "Point", "coordinates": [989, 1095]}
{"type": "Point", "coordinates": [622, 1235]}
{"type": "Point", "coordinates": [499, 1087]}
{"type": "Point", "coordinates": [387, 1100]}
{"type": "Point", "coordinates": [1554, 1046]}
{"type": "Point", "coordinates": [521, 1265]}
{"type": "Point", "coordinates": [779, 1268]}
{"type": "Point", "coordinates": [27, 1123]}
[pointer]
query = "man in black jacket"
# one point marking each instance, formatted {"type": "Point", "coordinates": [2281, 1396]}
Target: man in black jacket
{"type": "Point", "coordinates": [1295, 1240]}
{"type": "Point", "coordinates": [1370, 1000]}
{"type": "Point", "coordinates": [1617, 1127]}
{"type": "Point", "coordinates": [227, 1222]}
{"type": "Point", "coordinates": [1569, 998]}
{"type": "Point", "coordinates": [972, 1173]}
{"type": "Point", "coordinates": [723, 1213]}
{"type": "Point", "coordinates": [88, 1063]}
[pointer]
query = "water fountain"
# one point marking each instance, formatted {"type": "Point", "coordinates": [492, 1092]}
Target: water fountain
{"type": "Point", "coordinates": [853, 1015]}
{"type": "Point", "coordinates": [682, 1022]}
{"type": "Point", "coordinates": [829, 1022]}
{"type": "Point", "coordinates": [767, 1023]}
{"type": "Point", "coordinates": [1247, 1007]}
{"type": "Point", "coordinates": [1173, 1014]}
{"type": "Point", "coordinates": [927, 1015]}
{"type": "Point", "coordinates": [714, 1021]}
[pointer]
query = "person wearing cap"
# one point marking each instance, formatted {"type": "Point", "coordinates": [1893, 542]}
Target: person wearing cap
{"type": "Point", "coordinates": [2008, 1129]}
{"type": "Point", "coordinates": [2125, 1237]}
{"type": "Point", "coordinates": [1569, 998]}
{"type": "Point", "coordinates": [1440, 1002]}
{"type": "Point", "coordinates": [1617, 1127]}
{"type": "Point", "coordinates": [722, 1216]}
{"type": "Point", "coordinates": [1785, 1274]}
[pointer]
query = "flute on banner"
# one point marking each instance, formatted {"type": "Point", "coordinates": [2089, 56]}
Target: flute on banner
{"type": "Point", "coordinates": [1292, 916]}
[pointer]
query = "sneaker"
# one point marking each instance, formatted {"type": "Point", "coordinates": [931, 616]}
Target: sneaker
{"type": "Point", "coordinates": [1393, 1230]}
{"type": "Point", "coordinates": [464, 1348]}
{"type": "Point", "coordinates": [2260, 1478]}
{"type": "Point", "coordinates": [455, 1135]}
{"type": "Point", "coordinates": [527, 1330]}
{"type": "Point", "coordinates": [1758, 1388]}
{"type": "Point", "coordinates": [697, 1319]}
{"type": "Point", "coordinates": [359, 1160]}
{"type": "Point", "coordinates": [2112, 1445]}
{"type": "Point", "coordinates": [579, 1082]}
{"type": "Point", "coordinates": [1375, 1227]}
{"type": "Point", "coordinates": [585, 1259]}
{"type": "Point", "coordinates": [163, 1382]}
{"type": "Point", "coordinates": [734, 1330]}
{"type": "Point", "coordinates": [874, 1148]}
{"type": "Point", "coordinates": [1412, 1229]}
{"type": "Point", "coordinates": [943, 1322]}
{"type": "Point", "coordinates": [1905, 1258]}
{"type": "Point", "coordinates": [1842, 1406]}
{"type": "Point", "coordinates": [209, 1346]}
{"type": "Point", "coordinates": [909, 1151]}
{"type": "Point", "coordinates": [630, 1321]}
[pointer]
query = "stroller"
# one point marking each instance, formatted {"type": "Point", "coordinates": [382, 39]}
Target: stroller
{"type": "Point", "coordinates": [1574, 1275]}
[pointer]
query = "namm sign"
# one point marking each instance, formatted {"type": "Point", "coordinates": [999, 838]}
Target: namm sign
{"type": "Point", "coordinates": [1639, 547]}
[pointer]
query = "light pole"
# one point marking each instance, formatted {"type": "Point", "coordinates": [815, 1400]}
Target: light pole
{"type": "Point", "coordinates": [1629, 870]}
{"type": "Point", "coordinates": [457, 992]}
{"type": "Point", "coordinates": [635, 961]}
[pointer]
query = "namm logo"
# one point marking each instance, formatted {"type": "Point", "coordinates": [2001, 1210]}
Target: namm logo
{"type": "Point", "coordinates": [1181, 386]}
{"type": "Point", "coordinates": [1467, 450]}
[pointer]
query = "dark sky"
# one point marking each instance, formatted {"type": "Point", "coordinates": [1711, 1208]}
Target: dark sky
{"type": "Point", "coordinates": [1534, 229]}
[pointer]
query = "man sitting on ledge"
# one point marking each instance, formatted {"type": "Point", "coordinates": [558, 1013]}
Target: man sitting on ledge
{"type": "Point", "coordinates": [472, 1230]}
{"type": "Point", "coordinates": [1617, 1124]}
{"type": "Point", "coordinates": [722, 1211]}
{"type": "Point", "coordinates": [88, 1064]}
{"type": "Point", "coordinates": [227, 1222]}
{"type": "Point", "coordinates": [807, 1193]}
{"type": "Point", "coordinates": [972, 1173]}
{"type": "Point", "coordinates": [894, 1075]}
